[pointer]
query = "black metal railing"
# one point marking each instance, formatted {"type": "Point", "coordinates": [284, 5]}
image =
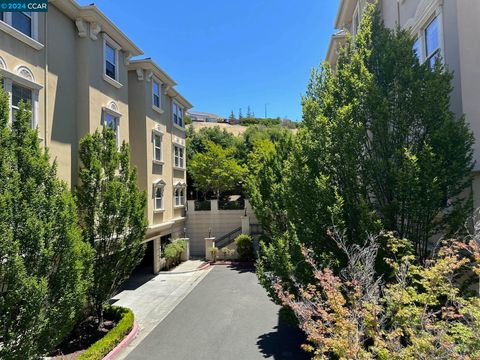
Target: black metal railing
{"type": "Point", "coordinates": [227, 239]}
{"type": "Point", "coordinates": [205, 205]}
{"type": "Point", "coordinates": [256, 229]}
{"type": "Point", "coordinates": [231, 205]}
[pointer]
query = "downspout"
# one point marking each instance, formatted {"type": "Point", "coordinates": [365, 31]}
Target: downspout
{"type": "Point", "coordinates": [45, 81]}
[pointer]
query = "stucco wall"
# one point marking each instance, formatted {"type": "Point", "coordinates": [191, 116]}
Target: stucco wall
{"type": "Point", "coordinates": [219, 222]}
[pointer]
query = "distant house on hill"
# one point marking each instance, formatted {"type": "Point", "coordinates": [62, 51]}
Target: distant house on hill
{"type": "Point", "coordinates": [205, 117]}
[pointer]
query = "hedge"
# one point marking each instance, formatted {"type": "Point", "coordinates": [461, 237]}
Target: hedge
{"type": "Point", "coordinates": [106, 344]}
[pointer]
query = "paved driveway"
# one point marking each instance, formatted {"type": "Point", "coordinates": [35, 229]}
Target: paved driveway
{"type": "Point", "coordinates": [226, 316]}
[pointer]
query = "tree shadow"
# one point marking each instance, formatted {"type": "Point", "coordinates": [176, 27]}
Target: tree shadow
{"type": "Point", "coordinates": [242, 267]}
{"type": "Point", "coordinates": [283, 343]}
{"type": "Point", "coordinates": [139, 276]}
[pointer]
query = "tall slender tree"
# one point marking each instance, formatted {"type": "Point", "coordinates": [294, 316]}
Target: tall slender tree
{"type": "Point", "coordinates": [378, 148]}
{"type": "Point", "coordinates": [112, 213]}
{"type": "Point", "coordinates": [44, 264]}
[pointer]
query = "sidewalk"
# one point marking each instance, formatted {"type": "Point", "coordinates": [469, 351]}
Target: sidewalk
{"type": "Point", "coordinates": [153, 300]}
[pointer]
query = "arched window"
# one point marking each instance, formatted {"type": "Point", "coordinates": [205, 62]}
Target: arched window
{"type": "Point", "coordinates": [158, 188]}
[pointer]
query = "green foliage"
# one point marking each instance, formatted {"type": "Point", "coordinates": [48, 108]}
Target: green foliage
{"type": "Point", "coordinates": [106, 344]}
{"type": "Point", "coordinates": [421, 314]}
{"type": "Point", "coordinates": [174, 250]}
{"type": "Point", "coordinates": [378, 148]}
{"type": "Point", "coordinates": [213, 251]}
{"type": "Point", "coordinates": [227, 252]}
{"type": "Point", "coordinates": [245, 249]}
{"type": "Point", "coordinates": [216, 170]}
{"type": "Point", "coordinates": [45, 266]}
{"type": "Point", "coordinates": [187, 119]}
{"type": "Point", "coordinates": [112, 213]}
{"type": "Point", "coordinates": [196, 140]}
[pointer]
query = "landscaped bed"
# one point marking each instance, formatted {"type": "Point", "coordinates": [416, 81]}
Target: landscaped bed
{"type": "Point", "coordinates": [88, 342]}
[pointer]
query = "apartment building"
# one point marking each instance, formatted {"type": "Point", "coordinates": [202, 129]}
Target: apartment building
{"type": "Point", "coordinates": [74, 66]}
{"type": "Point", "coordinates": [441, 27]}
{"type": "Point", "coordinates": [157, 140]}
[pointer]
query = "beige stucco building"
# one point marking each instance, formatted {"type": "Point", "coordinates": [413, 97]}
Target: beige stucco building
{"type": "Point", "coordinates": [74, 66]}
{"type": "Point", "coordinates": [446, 27]}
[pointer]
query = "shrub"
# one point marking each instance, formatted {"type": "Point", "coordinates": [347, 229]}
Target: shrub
{"type": "Point", "coordinates": [245, 247]}
{"type": "Point", "coordinates": [227, 252]}
{"type": "Point", "coordinates": [213, 251]}
{"type": "Point", "coordinates": [421, 313]}
{"type": "Point", "coordinates": [173, 251]}
{"type": "Point", "coordinates": [106, 344]}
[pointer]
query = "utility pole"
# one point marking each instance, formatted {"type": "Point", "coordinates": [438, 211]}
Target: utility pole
{"type": "Point", "coordinates": [266, 110]}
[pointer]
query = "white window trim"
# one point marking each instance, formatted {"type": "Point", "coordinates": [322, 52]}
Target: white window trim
{"type": "Point", "coordinates": [6, 26]}
{"type": "Point", "coordinates": [160, 184]}
{"type": "Point", "coordinates": [418, 26]}
{"type": "Point", "coordinates": [159, 83]}
{"type": "Point", "coordinates": [183, 116]}
{"type": "Point", "coordinates": [160, 134]}
{"type": "Point", "coordinates": [8, 79]}
{"type": "Point", "coordinates": [184, 157]}
{"type": "Point", "coordinates": [117, 115]}
{"type": "Point", "coordinates": [114, 82]}
{"type": "Point", "coordinates": [182, 197]}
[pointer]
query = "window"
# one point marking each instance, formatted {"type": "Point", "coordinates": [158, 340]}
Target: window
{"type": "Point", "coordinates": [177, 115]}
{"type": "Point", "coordinates": [157, 147]}
{"type": "Point", "coordinates": [158, 198]}
{"type": "Point", "coordinates": [156, 94]}
{"type": "Point", "coordinates": [110, 61]}
{"type": "Point", "coordinates": [20, 93]}
{"type": "Point", "coordinates": [179, 196]}
{"type": "Point", "coordinates": [111, 121]}
{"type": "Point", "coordinates": [432, 42]}
{"type": "Point", "coordinates": [22, 21]}
{"type": "Point", "coordinates": [178, 156]}
{"type": "Point", "coordinates": [417, 48]}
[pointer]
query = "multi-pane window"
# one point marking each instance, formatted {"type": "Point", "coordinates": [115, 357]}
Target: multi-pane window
{"type": "Point", "coordinates": [417, 48]}
{"type": "Point", "coordinates": [157, 147]}
{"type": "Point", "coordinates": [110, 61]}
{"type": "Point", "coordinates": [177, 114]}
{"type": "Point", "coordinates": [179, 196]}
{"type": "Point", "coordinates": [156, 94]}
{"type": "Point", "coordinates": [432, 42]}
{"type": "Point", "coordinates": [179, 156]}
{"type": "Point", "coordinates": [158, 198]}
{"type": "Point", "coordinates": [20, 93]}
{"type": "Point", "coordinates": [22, 21]}
{"type": "Point", "coordinates": [111, 121]}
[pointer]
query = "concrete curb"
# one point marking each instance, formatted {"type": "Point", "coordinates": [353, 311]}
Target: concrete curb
{"type": "Point", "coordinates": [127, 340]}
{"type": "Point", "coordinates": [201, 267]}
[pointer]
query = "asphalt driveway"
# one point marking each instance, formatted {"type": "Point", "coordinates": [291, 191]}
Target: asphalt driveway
{"type": "Point", "coordinates": [226, 316]}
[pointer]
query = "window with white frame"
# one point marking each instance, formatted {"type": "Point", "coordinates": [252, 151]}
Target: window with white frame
{"type": "Point", "coordinates": [157, 146]}
{"type": "Point", "coordinates": [177, 112]}
{"type": "Point", "coordinates": [178, 156]}
{"type": "Point", "coordinates": [110, 61]}
{"type": "Point", "coordinates": [156, 100]}
{"type": "Point", "coordinates": [158, 196]}
{"type": "Point", "coordinates": [112, 122]}
{"type": "Point", "coordinates": [179, 196]}
{"type": "Point", "coordinates": [417, 48]}
{"type": "Point", "coordinates": [20, 94]}
{"type": "Point", "coordinates": [23, 21]}
{"type": "Point", "coordinates": [432, 42]}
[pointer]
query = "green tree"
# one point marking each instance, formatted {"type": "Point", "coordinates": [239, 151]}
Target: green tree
{"type": "Point", "coordinates": [45, 266]}
{"type": "Point", "coordinates": [216, 169]}
{"type": "Point", "coordinates": [112, 213]}
{"type": "Point", "coordinates": [231, 117]}
{"type": "Point", "coordinates": [378, 148]}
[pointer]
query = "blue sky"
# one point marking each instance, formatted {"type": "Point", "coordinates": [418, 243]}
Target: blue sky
{"type": "Point", "coordinates": [226, 54]}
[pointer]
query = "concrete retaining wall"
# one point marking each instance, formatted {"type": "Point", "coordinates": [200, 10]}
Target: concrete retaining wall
{"type": "Point", "coordinates": [213, 223]}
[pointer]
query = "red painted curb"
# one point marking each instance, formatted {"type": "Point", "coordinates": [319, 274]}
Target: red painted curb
{"type": "Point", "coordinates": [204, 266]}
{"type": "Point", "coordinates": [127, 340]}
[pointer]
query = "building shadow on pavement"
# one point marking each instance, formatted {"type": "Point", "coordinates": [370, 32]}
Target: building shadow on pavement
{"type": "Point", "coordinates": [284, 343]}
